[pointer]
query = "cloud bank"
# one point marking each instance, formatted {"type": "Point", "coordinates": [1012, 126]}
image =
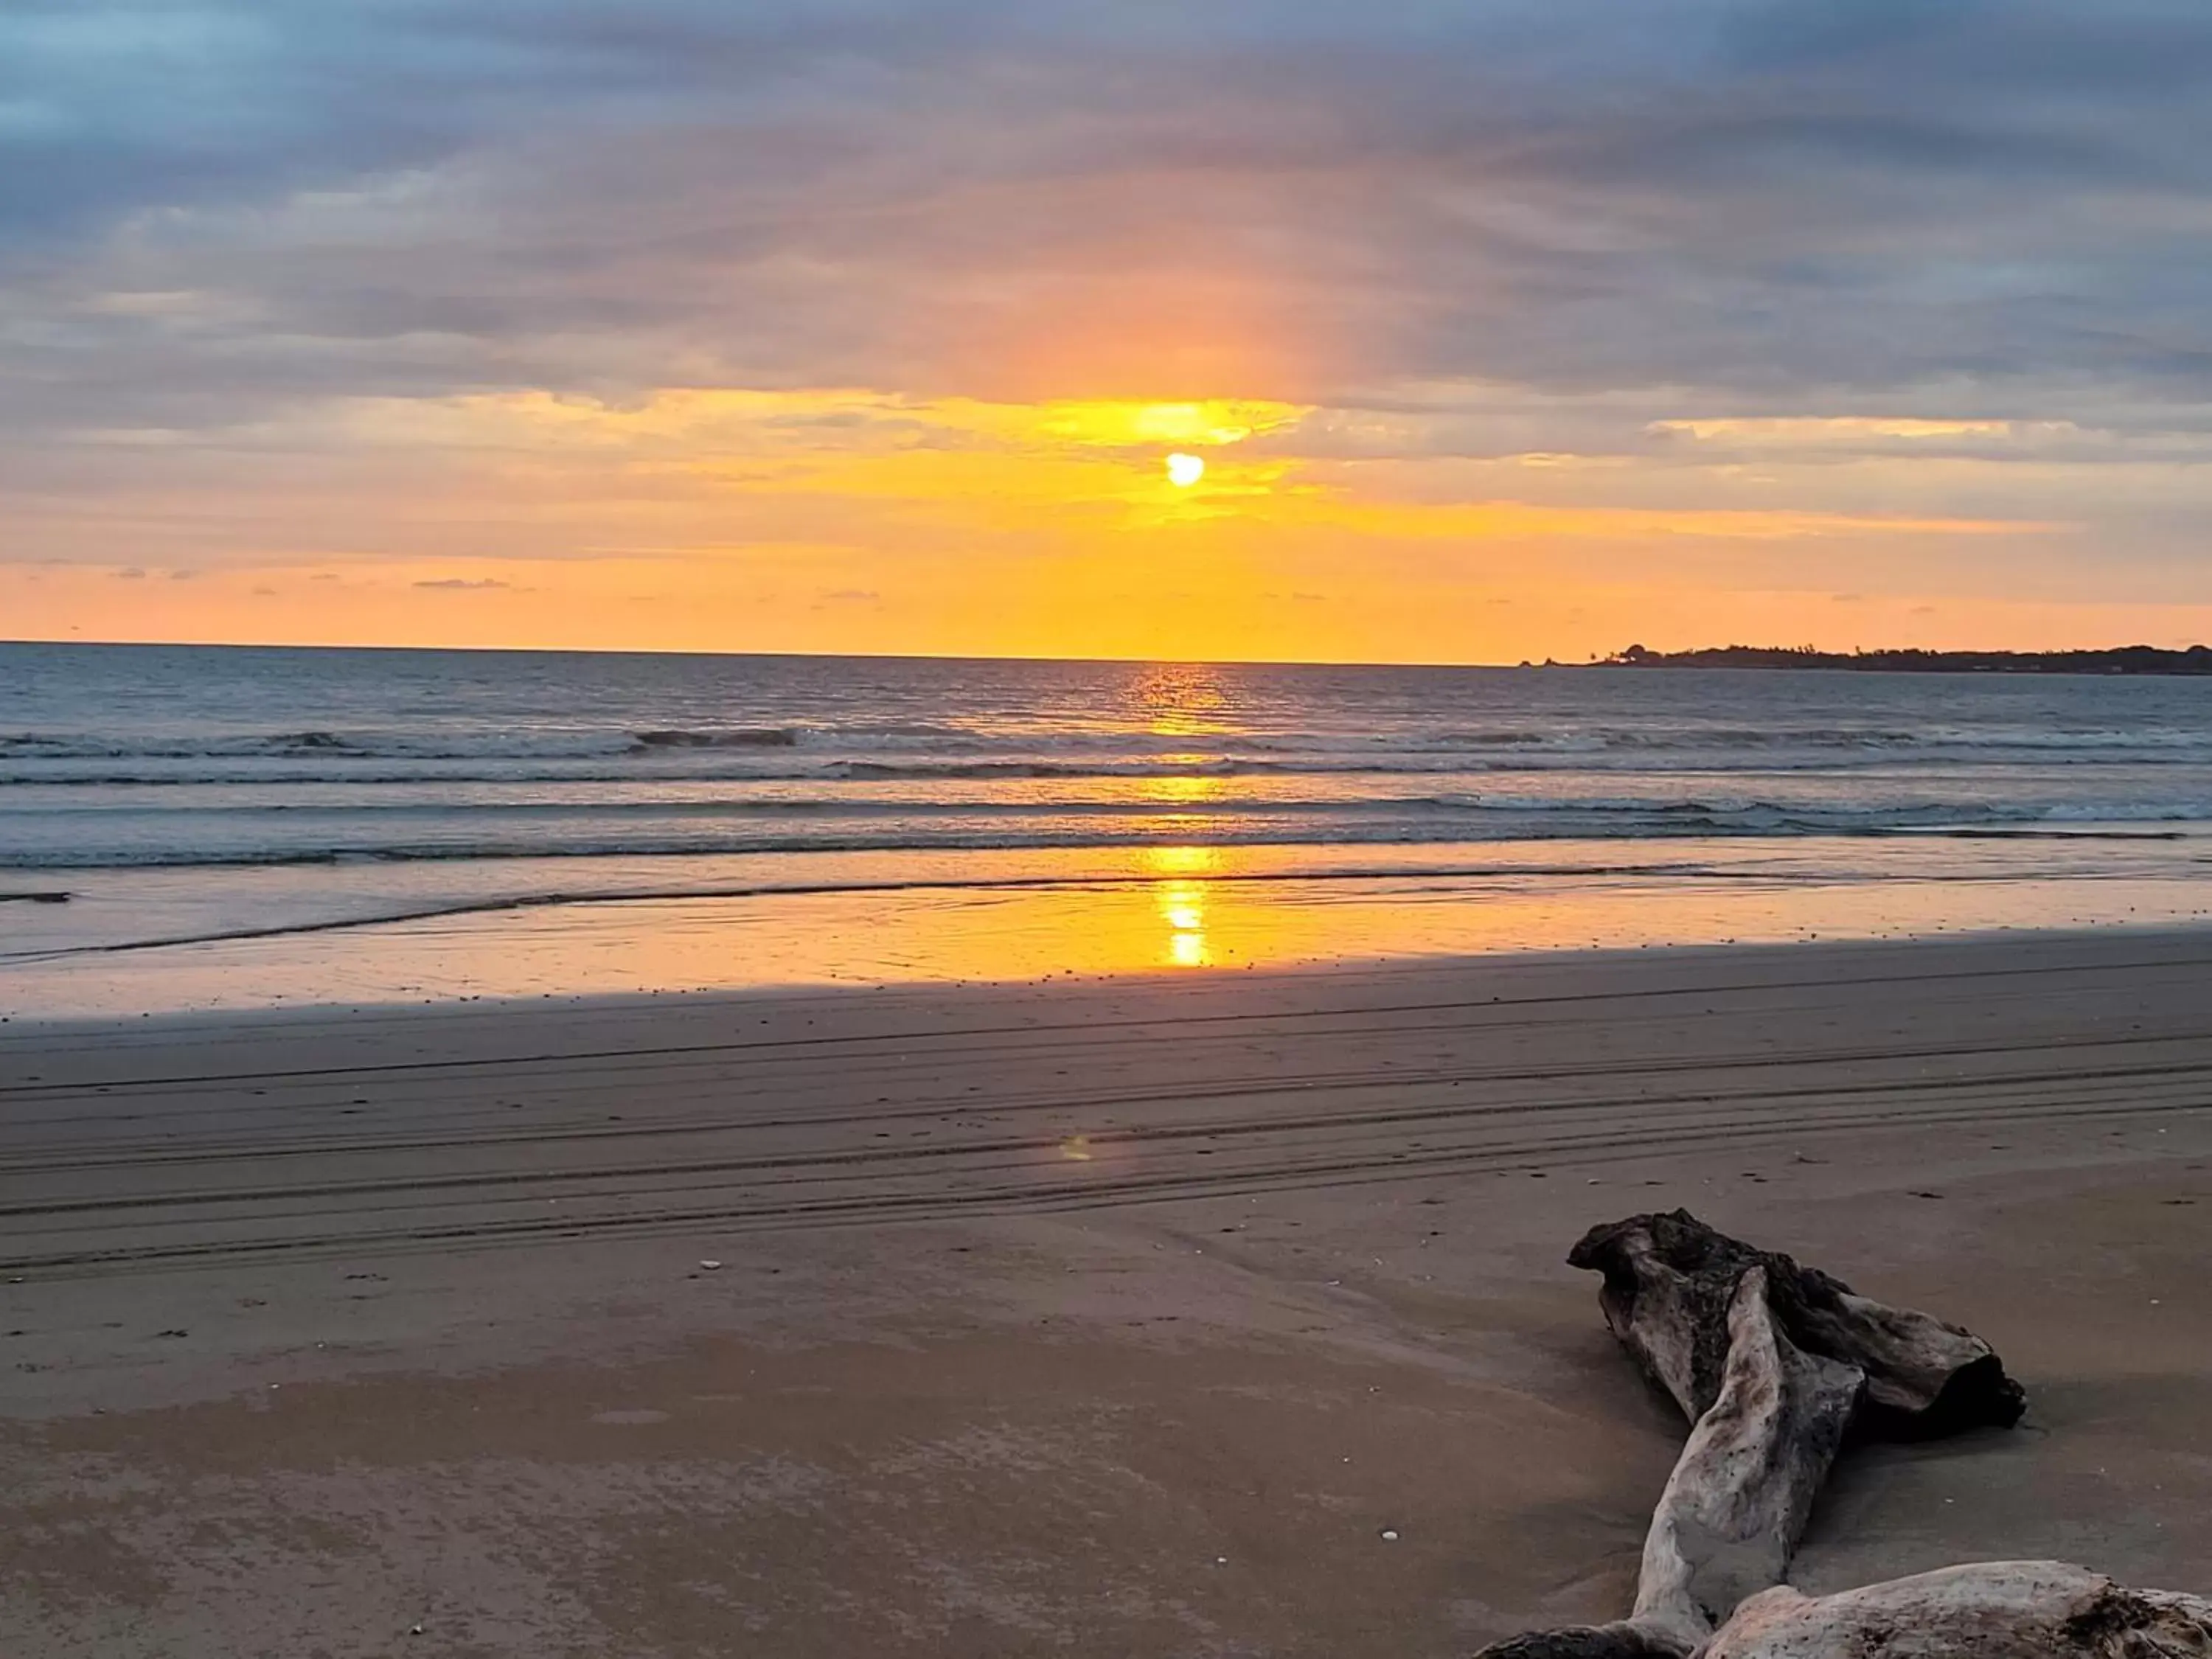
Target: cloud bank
{"type": "Point", "coordinates": [1933, 259]}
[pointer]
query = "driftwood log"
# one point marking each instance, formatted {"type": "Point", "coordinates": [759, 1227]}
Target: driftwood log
{"type": "Point", "coordinates": [1669, 1280]}
{"type": "Point", "coordinates": [1741, 1494]}
{"type": "Point", "coordinates": [1774, 1364]}
{"type": "Point", "coordinates": [1991, 1610]}
{"type": "Point", "coordinates": [1743, 1488]}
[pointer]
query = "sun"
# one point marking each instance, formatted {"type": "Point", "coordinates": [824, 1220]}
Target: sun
{"type": "Point", "coordinates": [1184, 471]}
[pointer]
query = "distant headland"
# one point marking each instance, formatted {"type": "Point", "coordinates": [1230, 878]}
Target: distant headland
{"type": "Point", "coordinates": [2118, 660]}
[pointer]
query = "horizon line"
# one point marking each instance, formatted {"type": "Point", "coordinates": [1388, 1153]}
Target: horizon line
{"type": "Point", "coordinates": [1595, 660]}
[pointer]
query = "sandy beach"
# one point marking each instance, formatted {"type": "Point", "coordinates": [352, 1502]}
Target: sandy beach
{"type": "Point", "coordinates": [1207, 1316]}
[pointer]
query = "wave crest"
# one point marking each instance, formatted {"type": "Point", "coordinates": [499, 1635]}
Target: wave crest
{"type": "Point", "coordinates": [773, 737]}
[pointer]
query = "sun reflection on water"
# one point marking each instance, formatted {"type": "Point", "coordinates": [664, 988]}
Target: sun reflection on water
{"type": "Point", "coordinates": [1184, 788]}
{"type": "Point", "coordinates": [1181, 700]}
{"type": "Point", "coordinates": [1182, 860]}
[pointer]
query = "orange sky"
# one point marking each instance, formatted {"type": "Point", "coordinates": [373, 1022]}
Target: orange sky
{"type": "Point", "coordinates": [856, 520]}
{"type": "Point", "coordinates": [1505, 333]}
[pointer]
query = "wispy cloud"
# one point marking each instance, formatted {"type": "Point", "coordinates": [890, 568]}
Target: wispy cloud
{"type": "Point", "coordinates": [1846, 430]}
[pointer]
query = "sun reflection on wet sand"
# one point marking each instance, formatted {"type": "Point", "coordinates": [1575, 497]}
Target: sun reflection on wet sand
{"type": "Point", "coordinates": [1183, 902]}
{"type": "Point", "coordinates": [1178, 906]}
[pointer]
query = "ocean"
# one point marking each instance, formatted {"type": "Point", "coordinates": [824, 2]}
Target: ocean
{"type": "Point", "coordinates": [212, 803]}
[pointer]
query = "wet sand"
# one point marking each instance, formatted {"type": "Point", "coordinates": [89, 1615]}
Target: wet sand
{"type": "Point", "coordinates": [1124, 1316]}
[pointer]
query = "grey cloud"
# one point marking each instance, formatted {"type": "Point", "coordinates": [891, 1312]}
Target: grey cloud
{"type": "Point", "coordinates": [1753, 201]}
{"type": "Point", "coordinates": [460, 584]}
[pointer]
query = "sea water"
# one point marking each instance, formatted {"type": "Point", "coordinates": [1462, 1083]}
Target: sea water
{"type": "Point", "coordinates": [206, 810]}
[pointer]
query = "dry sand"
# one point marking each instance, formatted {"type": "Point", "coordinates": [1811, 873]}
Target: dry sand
{"type": "Point", "coordinates": [1120, 1318]}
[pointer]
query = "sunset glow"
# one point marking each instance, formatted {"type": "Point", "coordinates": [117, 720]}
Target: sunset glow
{"type": "Point", "coordinates": [1120, 364]}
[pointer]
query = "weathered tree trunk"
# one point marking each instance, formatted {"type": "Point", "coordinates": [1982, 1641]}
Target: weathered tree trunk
{"type": "Point", "coordinates": [1622, 1639]}
{"type": "Point", "coordinates": [1988, 1610]}
{"type": "Point", "coordinates": [1772, 1363]}
{"type": "Point", "coordinates": [1739, 1498]}
{"type": "Point", "coordinates": [1770, 1360]}
{"type": "Point", "coordinates": [1991, 1610]}
{"type": "Point", "coordinates": [1669, 1280]}
{"type": "Point", "coordinates": [1743, 1489]}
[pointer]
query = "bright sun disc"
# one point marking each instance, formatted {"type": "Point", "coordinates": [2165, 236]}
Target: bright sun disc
{"type": "Point", "coordinates": [1184, 471]}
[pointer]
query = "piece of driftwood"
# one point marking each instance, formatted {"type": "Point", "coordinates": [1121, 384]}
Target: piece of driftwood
{"type": "Point", "coordinates": [1987, 1610]}
{"type": "Point", "coordinates": [1743, 1488]}
{"type": "Point", "coordinates": [1623, 1639]}
{"type": "Point", "coordinates": [1773, 1363]}
{"type": "Point", "coordinates": [1739, 1498]}
{"type": "Point", "coordinates": [1670, 1280]}
{"type": "Point", "coordinates": [1991, 1610]}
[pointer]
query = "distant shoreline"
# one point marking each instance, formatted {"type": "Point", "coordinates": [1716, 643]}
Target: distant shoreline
{"type": "Point", "coordinates": [2118, 660]}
